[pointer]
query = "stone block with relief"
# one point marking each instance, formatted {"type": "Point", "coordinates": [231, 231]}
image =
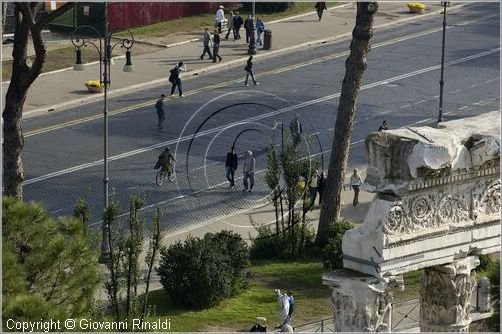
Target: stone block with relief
{"type": "Point", "coordinates": [437, 197]}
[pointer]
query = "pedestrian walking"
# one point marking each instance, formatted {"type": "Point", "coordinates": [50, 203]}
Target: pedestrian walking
{"type": "Point", "coordinates": [248, 171]}
{"type": "Point", "coordinates": [207, 42]}
{"type": "Point", "coordinates": [220, 17]}
{"type": "Point", "coordinates": [295, 126]}
{"type": "Point", "coordinates": [249, 26]}
{"type": "Point", "coordinates": [159, 107]}
{"type": "Point", "coordinates": [320, 7]}
{"type": "Point", "coordinates": [238, 22]}
{"type": "Point", "coordinates": [260, 28]}
{"type": "Point", "coordinates": [175, 78]}
{"type": "Point", "coordinates": [291, 308]}
{"type": "Point", "coordinates": [249, 72]}
{"type": "Point", "coordinates": [384, 126]}
{"type": "Point", "coordinates": [313, 187]}
{"type": "Point", "coordinates": [230, 25]}
{"type": "Point", "coordinates": [216, 46]}
{"type": "Point", "coordinates": [231, 166]}
{"type": "Point", "coordinates": [320, 185]}
{"type": "Point", "coordinates": [355, 183]}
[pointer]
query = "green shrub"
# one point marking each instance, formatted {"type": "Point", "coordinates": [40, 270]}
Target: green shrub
{"type": "Point", "coordinates": [285, 245]}
{"type": "Point", "coordinates": [486, 263]}
{"type": "Point", "coordinates": [201, 272]}
{"type": "Point", "coordinates": [49, 267]}
{"type": "Point", "coordinates": [332, 252]}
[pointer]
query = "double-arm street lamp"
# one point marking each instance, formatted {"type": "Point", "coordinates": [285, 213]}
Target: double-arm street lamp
{"type": "Point", "coordinates": [441, 81]}
{"type": "Point", "coordinates": [104, 48]}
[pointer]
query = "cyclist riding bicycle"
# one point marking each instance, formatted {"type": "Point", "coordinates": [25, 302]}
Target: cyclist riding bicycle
{"type": "Point", "coordinates": [166, 160]}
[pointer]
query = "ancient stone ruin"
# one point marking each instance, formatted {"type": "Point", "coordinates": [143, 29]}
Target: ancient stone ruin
{"type": "Point", "coordinates": [436, 208]}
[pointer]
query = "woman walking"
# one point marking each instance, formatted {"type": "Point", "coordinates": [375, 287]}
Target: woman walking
{"type": "Point", "coordinates": [216, 46]}
{"type": "Point", "coordinates": [249, 71]}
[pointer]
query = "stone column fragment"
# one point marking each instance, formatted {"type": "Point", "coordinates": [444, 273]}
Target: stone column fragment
{"type": "Point", "coordinates": [360, 303]}
{"type": "Point", "coordinates": [445, 294]}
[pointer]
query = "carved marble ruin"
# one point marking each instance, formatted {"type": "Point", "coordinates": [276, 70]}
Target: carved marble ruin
{"type": "Point", "coordinates": [437, 206]}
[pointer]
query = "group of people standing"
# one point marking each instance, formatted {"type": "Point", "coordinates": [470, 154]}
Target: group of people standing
{"type": "Point", "coordinates": [235, 23]}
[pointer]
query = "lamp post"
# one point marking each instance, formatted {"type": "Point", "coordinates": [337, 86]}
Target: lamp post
{"type": "Point", "coordinates": [441, 81]}
{"type": "Point", "coordinates": [104, 49]}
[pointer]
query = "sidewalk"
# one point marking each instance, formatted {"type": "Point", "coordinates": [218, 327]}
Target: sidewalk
{"type": "Point", "coordinates": [65, 88]}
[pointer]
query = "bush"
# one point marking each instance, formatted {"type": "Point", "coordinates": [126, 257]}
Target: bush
{"type": "Point", "coordinates": [49, 268]}
{"type": "Point", "coordinates": [494, 276]}
{"type": "Point", "coordinates": [332, 252]}
{"type": "Point", "coordinates": [201, 272]}
{"type": "Point", "coordinates": [268, 244]}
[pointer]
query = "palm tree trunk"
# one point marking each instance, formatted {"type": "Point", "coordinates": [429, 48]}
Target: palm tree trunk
{"type": "Point", "coordinates": [355, 66]}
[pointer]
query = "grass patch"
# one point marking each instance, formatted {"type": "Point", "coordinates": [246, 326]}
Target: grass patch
{"type": "Point", "coordinates": [239, 313]}
{"type": "Point", "coordinates": [55, 60]}
{"type": "Point", "coordinates": [411, 286]}
{"type": "Point", "coordinates": [197, 23]}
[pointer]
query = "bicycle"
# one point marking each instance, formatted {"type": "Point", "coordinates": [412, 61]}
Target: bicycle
{"type": "Point", "coordinates": [161, 175]}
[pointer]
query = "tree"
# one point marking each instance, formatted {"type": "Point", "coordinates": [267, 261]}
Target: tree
{"type": "Point", "coordinates": [49, 266]}
{"type": "Point", "coordinates": [23, 76]}
{"type": "Point", "coordinates": [355, 66]}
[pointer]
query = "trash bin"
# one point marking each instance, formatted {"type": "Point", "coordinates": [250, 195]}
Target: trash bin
{"type": "Point", "coordinates": [267, 39]}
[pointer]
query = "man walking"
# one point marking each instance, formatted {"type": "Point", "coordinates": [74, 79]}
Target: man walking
{"type": "Point", "coordinates": [238, 22]}
{"type": "Point", "coordinates": [175, 78]}
{"type": "Point", "coordinates": [320, 185]}
{"type": "Point", "coordinates": [296, 129]}
{"type": "Point", "coordinates": [249, 26]}
{"type": "Point", "coordinates": [231, 26]}
{"type": "Point", "coordinates": [206, 42]}
{"type": "Point", "coordinates": [355, 183]}
{"type": "Point", "coordinates": [159, 107]}
{"type": "Point", "coordinates": [231, 166]}
{"type": "Point", "coordinates": [320, 7]}
{"type": "Point", "coordinates": [248, 171]}
{"type": "Point", "coordinates": [216, 46]}
{"type": "Point", "coordinates": [220, 17]}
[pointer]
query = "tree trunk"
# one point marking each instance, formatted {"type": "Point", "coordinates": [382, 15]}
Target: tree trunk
{"type": "Point", "coordinates": [355, 66]}
{"type": "Point", "coordinates": [23, 75]}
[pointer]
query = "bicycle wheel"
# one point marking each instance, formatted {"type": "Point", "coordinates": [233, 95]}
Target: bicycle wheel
{"type": "Point", "coordinates": [159, 178]}
{"type": "Point", "coordinates": [171, 177]}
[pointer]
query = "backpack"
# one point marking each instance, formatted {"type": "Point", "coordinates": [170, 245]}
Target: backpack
{"type": "Point", "coordinates": [158, 105]}
{"type": "Point", "coordinates": [174, 75]}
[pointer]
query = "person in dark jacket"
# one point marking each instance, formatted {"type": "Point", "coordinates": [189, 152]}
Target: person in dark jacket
{"type": "Point", "coordinates": [320, 7]}
{"type": "Point", "coordinates": [238, 22]}
{"type": "Point", "coordinates": [159, 107]}
{"type": "Point", "coordinates": [231, 166]}
{"type": "Point", "coordinates": [296, 129]}
{"type": "Point", "coordinates": [384, 126]}
{"type": "Point", "coordinates": [249, 26]}
{"type": "Point", "coordinates": [320, 185]}
{"type": "Point", "coordinates": [216, 46]}
{"type": "Point", "coordinates": [249, 71]}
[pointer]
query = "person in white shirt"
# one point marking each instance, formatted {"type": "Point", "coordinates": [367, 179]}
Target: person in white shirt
{"type": "Point", "coordinates": [355, 183]}
{"type": "Point", "coordinates": [220, 16]}
{"type": "Point", "coordinates": [248, 171]}
{"type": "Point", "coordinates": [176, 78]}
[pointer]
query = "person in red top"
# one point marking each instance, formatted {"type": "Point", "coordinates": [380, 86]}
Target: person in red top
{"type": "Point", "coordinates": [320, 6]}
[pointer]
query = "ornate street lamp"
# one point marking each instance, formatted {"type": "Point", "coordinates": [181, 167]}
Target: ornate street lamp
{"type": "Point", "coordinates": [441, 81]}
{"type": "Point", "coordinates": [104, 50]}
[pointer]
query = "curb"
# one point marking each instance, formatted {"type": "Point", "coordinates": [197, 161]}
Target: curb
{"type": "Point", "coordinates": [213, 68]}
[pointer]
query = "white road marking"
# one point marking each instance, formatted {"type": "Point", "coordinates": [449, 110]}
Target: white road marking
{"type": "Point", "coordinates": [253, 119]}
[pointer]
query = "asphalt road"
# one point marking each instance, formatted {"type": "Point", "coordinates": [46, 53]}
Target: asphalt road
{"type": "Point", "coordinates": [63, 151]}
